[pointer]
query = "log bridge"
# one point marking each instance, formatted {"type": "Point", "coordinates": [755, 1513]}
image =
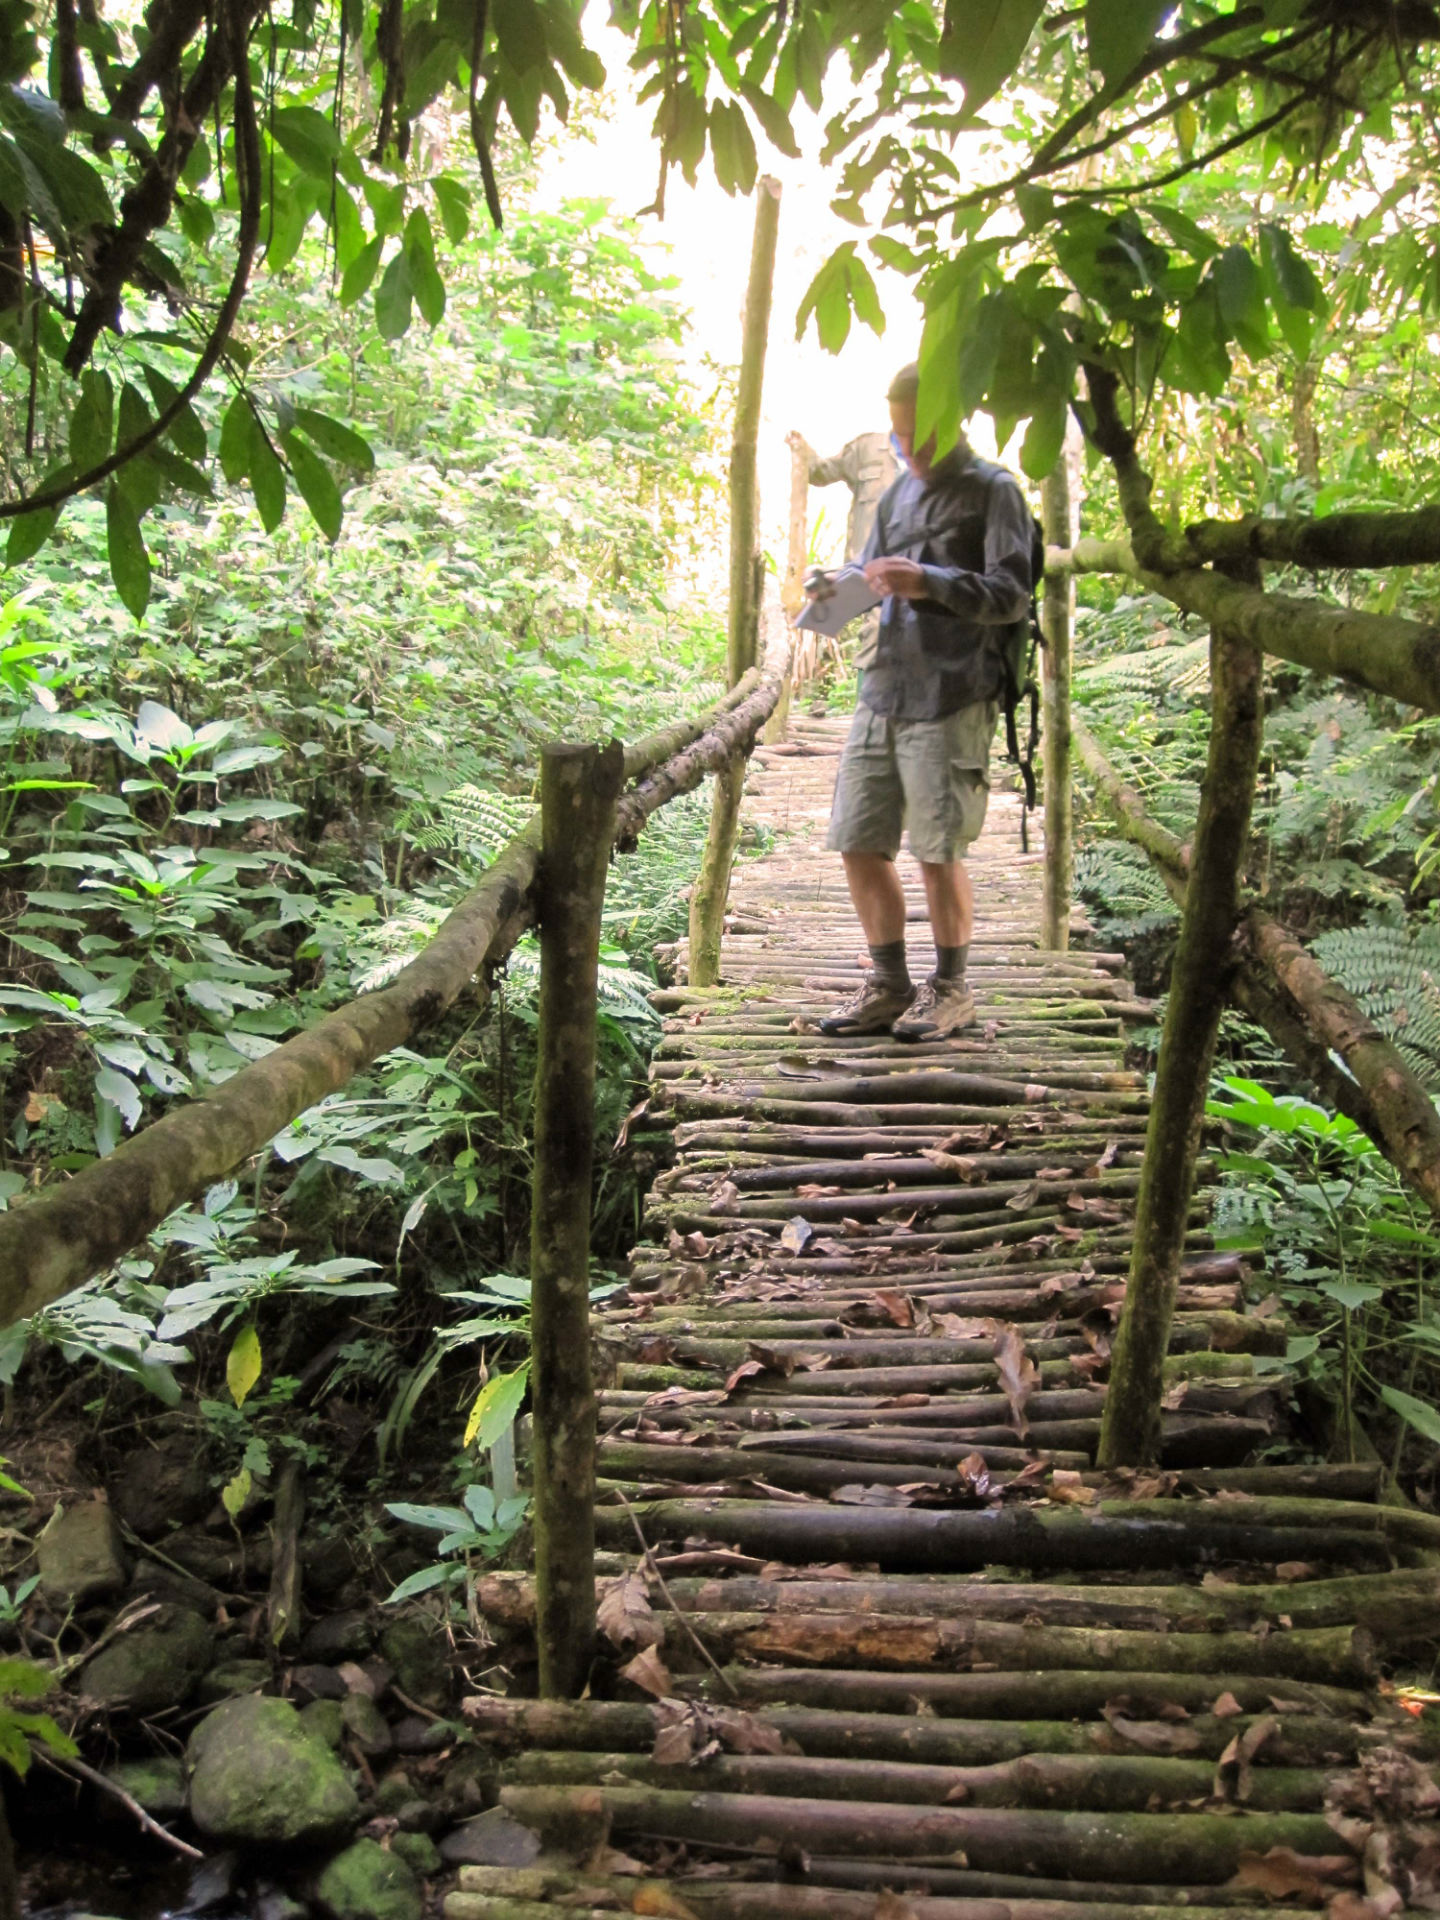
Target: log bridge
{"type": "Point", "coordinates": [877, 1641]}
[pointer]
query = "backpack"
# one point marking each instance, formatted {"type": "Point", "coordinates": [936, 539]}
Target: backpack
{"type": "Point", "coordinates": [1019, 683]}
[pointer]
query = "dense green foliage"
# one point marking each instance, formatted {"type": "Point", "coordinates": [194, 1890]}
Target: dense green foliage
{"type": "Point", "coordinates": [270, 799]}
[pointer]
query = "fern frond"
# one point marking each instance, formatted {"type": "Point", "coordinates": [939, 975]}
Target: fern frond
{"type": "Point", "coordinates": [1394, 973]}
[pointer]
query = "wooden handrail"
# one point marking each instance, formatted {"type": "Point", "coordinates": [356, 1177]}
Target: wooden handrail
{"type": "Point", "coordinates": [70, 1232]}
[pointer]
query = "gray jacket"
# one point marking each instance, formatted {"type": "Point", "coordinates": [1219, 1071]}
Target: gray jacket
{"type": "Point", "coordinates": [968, 524]}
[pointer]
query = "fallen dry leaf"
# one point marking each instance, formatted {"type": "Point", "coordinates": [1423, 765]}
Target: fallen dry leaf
{"type": "Point", "coordinates": [676, 1725]}
{"type": "Point", "coordinates": [1226, 1707]}
{"type": "Point", "coordinates": [1155, 1736]}
{"type": "Point", "coordinates": [897, 1307]}
{"type": "Point", "coordinates": [625, 1615]}
{"type": "Point", "coordinates": [657, 1902]}
{"type": "Point", "coordinates": [648, 1670]}
{"type": "Point", "coordinates": [1069, 1489]}
{"type": "Point", "coordinates": [1019, 1376]}
{"type": "Point", "coordinates": [1024, 1197]}
{"type": "Point", "coordinates": [1288, 1570]}
{"type": "Point", "coordinates": [892, 1906]}
{"type": "Point", "coordinates": [1282, 1872]}
{"type": "Point", "coordinates": [796, 1234]}
{"type": "Point", "coordinates": [743, 1732]}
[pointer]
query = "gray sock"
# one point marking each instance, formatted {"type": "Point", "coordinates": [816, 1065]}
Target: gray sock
{"type": "Point", "coordinates": [950, 962]}
{"type": "Point", "coordinates": [890, 967]}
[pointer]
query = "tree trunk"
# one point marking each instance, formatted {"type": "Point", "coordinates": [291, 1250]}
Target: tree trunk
{"type": "Point", "coordinates": [1130, 1428]}
{"type": "Point", "coordinates": [578, 790]}
{"type": "Point", "coordinates": [707, 902]}
{"type": "Point", "coordinates": [1058, 515]}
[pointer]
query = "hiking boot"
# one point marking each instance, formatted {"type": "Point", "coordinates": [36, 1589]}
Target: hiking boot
{"type": "Point", "coordinates": [940, 1008]}
{"type": "Point", "coordinates": [871, 1009]}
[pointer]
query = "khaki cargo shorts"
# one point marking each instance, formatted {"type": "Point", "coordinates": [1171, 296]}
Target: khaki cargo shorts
{"type": "Point", "coordinates": [930, 776]}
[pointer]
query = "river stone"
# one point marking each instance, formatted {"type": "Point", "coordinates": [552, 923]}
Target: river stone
{"type": "Point", "coordinates": [161, 1487]}
{"type": "Point", "coordinates": [153, 1667]}
{"type": "Point", "coordinates": [367, 1883]}
{"type": "Point", "coordinates": [411, 1734]}
{"type": "Point", "coordinates": [365, 1723]}
{"type": "Point", "coordinates": [394, 1791]}
{"type": "Point", "coordinates": [417, 1650]}
{"type": "Point", "coordinates": [339, 1636]}
{"type": "Point", "coordinates": [324, 1719]}
{"type": "Point", "coordinates": [418, 1815]}
{"type": "Point", "coordinates": [418, 1851]}
{"type": "Point", "coordinates": [260, 1777]}
{"type": "Point", "coordinates": [158, 1784]}
{"type": "Point", "coordinates": [234, 1676]}
{"type": "Point", "coordinates": [80, 1554]}
{"type": "Point", "coordinates": [493, 1839]}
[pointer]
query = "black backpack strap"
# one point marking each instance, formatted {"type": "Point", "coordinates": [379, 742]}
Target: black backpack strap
{"type": "Point", "coordinates": [1025, 684]}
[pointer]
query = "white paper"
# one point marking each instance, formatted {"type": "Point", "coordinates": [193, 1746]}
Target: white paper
{"type": "Point", "coordinates": [849, 595]}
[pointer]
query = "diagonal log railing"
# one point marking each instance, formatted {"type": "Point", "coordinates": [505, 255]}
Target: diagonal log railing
{"type": "Point", "coordinates": [69, 1233]}
{"type": "Point", "coordinates": [1273, 977]}
{"type": "Point", "coordinates": [1309, 1015]}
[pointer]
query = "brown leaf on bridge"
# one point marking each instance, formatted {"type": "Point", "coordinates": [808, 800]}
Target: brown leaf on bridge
{"type": "Point", "coordinates": [625, 1615]}
{"type": "Point", "coordinates": [1019, 1376]}
{"type": "Point", "coordinates": [1282, 1873]}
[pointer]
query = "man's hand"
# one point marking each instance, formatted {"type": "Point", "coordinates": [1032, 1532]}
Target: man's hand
{"type": "Point", "coordinates": [903, 578]}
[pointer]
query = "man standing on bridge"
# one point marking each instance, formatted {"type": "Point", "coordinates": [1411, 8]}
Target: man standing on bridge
{"type": "Point", "coordinates": [950, 551]}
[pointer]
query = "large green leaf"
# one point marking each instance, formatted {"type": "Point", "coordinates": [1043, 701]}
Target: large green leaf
{"type": "Point", "coordinates": [356, 279]}
{"type": "Point", "coordinates": [425, 281]}
{"type": "Point", "coordinates": [317, 486]}
{"type": "Point", "coordinates": [1241, 293]}
{"type": "Point", "coordinates": [237, 430]}
{"type": "Point", "coordinates": [1117, 32]}
{"type": "Point", "coordinates": [1418, 1414]}
{"type": "Point", "coordinates": [339, 442]}
{"type": "Point", "coordinates": [982, 43]}
{"type": "Point", "coordinates": [308, 139]}
{"type": "Point", "coordinates": [185, 429]}
{"type": "Point", "coordinates": [520, 29]}
{"type": "Point", "coordinates": [394, 297]}
{"type": "Point", "coordinates": [129, 562]}
{"type": "Point", "coordinates": [733, 146]}
{"type": "Point", "coordinates": [267, 480]}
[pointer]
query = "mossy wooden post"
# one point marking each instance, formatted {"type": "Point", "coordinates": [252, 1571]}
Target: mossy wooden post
{"type": "Point", "coordinates": [1057, 516]}
{"type": "Point", "coordinates": [1199, 981]}
{"type": "Point", "coordinates": [712, 884]}
{"type": "Point", "coordinates": [578, 790]}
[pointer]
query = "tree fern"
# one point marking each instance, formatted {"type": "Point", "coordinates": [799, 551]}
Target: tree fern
{"type": "Point", "coordinates": [1124, 891]}
{"type": "Point", "coordinates": [1394, 973]}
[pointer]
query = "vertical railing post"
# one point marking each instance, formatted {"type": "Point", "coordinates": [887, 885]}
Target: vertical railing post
{"type": "Point", "coordinates": [1057, 514]}
{"type": "Point", "coordinates": [1130, 1428]}
{"type": "Point", "coordinates": [712, 884]}
{"type": "Point", "coordinates": [579, 787]}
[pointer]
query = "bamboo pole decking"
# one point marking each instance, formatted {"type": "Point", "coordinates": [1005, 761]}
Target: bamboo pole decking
{"type": "Point", "coordinates": [894, 1649]}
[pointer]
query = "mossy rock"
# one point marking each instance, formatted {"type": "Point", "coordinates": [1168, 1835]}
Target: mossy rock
{"type": "Point", "coordinates": [418, 1653]}
{"type": "Point", "coordinates": [260, 1777]}
{"type": "Point", "coordinates": [227, 1678]}
{"type": "Point", "coordinates": [367, 1883]}
{"type": "Point", "coordinates": [151, 1668]}
{"type": "Point", "coordinates": [158, 1784]}
{"type": "Point", "coordinates": [324, 1719]}
{"type": "Point", "coordinates": [419, 1852]}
